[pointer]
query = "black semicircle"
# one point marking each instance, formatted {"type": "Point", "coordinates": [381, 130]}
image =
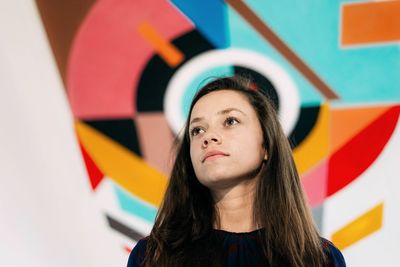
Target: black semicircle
{"type": "Point", "coordinates": [157, 73]}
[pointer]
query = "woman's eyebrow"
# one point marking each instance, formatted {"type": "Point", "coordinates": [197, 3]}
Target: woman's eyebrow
{"type": "Point", "coordinates": [224, 111]}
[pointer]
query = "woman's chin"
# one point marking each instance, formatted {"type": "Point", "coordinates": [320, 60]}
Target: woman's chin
{"type": "Point", "coordinates": [219, 181]}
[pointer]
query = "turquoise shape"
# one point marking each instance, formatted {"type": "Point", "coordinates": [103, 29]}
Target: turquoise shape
{"type": "Point", "coordinates": [200, 81]}
{"type": "Point", "coordinates": [244, 37]}
{"type": "Point", "coordinates": [134, 205]}
{"type": "Point", "coordinates": [363, 74]}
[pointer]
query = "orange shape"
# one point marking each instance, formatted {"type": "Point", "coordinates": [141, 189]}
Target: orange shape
{"type": "Point", "coordinates": [346, 123]}
{"type": "Point", "coordinates": [169, 53]}
{"type": "Point", "coordinates": [370, 22]}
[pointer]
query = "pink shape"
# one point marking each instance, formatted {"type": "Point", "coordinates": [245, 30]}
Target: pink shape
{"type": "Point", "coordinates": [156, 140]}
{"type": "Point", "coordinates": [315, 183]}
{"type": "Point", "coordinates": [108, 55]}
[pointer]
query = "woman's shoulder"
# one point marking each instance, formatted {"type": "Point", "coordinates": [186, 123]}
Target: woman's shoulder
{"type": "Point", "coordinates": [335, 257]}
{"type": "Point", "coordinates": [138, 253]}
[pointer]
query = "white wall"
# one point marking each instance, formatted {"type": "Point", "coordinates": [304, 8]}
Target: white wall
{"type": "Point", "coordinates": [47, 214]}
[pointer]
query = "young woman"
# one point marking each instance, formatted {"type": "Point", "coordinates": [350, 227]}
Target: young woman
{"type": "Point", "coordinates": [234, 197]}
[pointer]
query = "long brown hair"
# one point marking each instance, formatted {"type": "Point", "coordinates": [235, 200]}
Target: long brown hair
{"type": "Point", "coordinates": [180, 235]}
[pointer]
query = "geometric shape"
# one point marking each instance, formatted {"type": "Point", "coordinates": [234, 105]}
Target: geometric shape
{"type": "Point", "coordinates": [156, 140]}
{"type": "Point", "coordinates": [198, 81]}
{"type": "Point", "coordinates": [314, 147]}
{"type": "Point", "coordinates": [210, 18]}
{"type": "Point", "coordinates": [317, 213]}
{"type": "Point", "coordinates": [360, 75]}
{"type": "Point", "coordinates": [363, 226]}
{"type": "Point", "coordinates": [284, 85]}
{"type": "Point", "coordinates": [127, 248]}
{"type": "Point", "coordinates": [150, 91]}
{"type": "Point", "coordinates": [370, 22]}
{"type": "Point", "coordinates": [272, 38]}
{"type": "Point", "coordinates": [123, 229]}
{"type": "Point", "coordinates": [108, 55]}
{"type": "Point", "coordinates": [304, 125]}
{"type": "Point", "coordinates": [122, 166]}
{"type": "Point", "coordinates": [95, 174]}
{"type": "Point", "coordinates": [168, 52]}
{"type": "Point", "coordinates": [347, 122]}
{"type": "Point", "coordinates": [120, 130]}
{"type": "Point", "coordinates": [353, 158]}
{"type": "Point", "coordinates": [61, 22]}
{"type": "Point", "coordinates": [135, 206]}
{"type": "Point", "coordinates": [315, 183]}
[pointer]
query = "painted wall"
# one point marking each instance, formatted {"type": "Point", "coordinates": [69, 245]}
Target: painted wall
{"type": "Point", "coordinates": [128, 70]}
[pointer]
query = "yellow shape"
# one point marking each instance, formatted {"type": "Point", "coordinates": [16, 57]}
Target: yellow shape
{"type": "Point", "coordinates": [123, 166]}
{"type": "Point", "coordinates": [316, 146]}
{"type": "Point", "coordinates": [358, 229]}
{"type": "Point", "coordinates": [169, 53]}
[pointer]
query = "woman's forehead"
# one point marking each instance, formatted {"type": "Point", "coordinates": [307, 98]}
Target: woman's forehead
{"type": "Point", "coordinates": [215, 102]}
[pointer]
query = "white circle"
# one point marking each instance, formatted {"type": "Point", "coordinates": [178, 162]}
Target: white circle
{"type": "Point", "coordinates": [289, 101]}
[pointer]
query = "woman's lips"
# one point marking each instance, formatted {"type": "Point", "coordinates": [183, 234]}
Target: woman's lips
{"type": "Point", "coordinates": [214, 154]}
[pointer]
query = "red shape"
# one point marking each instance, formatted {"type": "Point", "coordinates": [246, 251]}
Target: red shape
{"type": "Point", "coordinates": [127, 248]}
{"type": "Point", "coordinates": [95, 175]}
{"type": "Point", "coordinates": [346, 164]}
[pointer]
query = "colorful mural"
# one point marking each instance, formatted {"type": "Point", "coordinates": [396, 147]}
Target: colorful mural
{"type": "Point", "coordinates": [332, 68]}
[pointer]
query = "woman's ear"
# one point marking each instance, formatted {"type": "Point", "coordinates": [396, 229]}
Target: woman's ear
{"type": "Point", "coordinates": [265, 156]}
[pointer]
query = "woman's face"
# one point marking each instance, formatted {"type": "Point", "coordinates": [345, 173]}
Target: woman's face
{"type": "Point", "coordinates": [226, 139]}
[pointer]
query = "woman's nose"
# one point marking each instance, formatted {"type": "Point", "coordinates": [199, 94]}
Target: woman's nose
{"type": "Point", "coordinates": [211, 138]}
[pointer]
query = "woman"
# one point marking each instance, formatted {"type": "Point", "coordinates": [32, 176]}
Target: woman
{"type": "Point", "coordinates": [234, 197]}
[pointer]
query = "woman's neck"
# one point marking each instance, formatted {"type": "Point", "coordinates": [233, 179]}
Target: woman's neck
{"type": "Point", "coordinates": [234, 207]}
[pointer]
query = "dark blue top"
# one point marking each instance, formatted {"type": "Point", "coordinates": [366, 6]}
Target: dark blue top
{"type": "Point", "coordinates": [242, 249]}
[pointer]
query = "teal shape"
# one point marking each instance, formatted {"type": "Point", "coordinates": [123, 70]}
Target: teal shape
{"type": "Point", "coordinates": [244, 37]}
{"type": "Point", "coordinates": [133, 205]}
{"type": "Point", "coordinates": [200, 81]}
{"type": "Point", "coordinates": [364, 74]}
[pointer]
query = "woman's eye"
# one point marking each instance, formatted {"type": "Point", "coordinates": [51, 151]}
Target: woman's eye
{"type": "Point", "coordinates": [195, 131]}
{"type": "Point", "coordinates": [231, 121]}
